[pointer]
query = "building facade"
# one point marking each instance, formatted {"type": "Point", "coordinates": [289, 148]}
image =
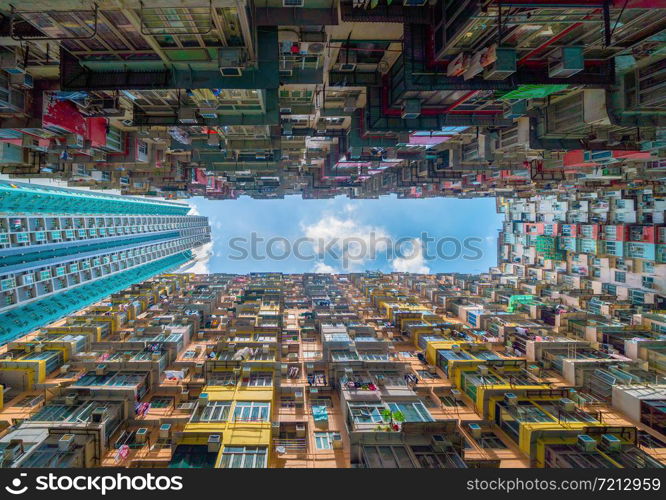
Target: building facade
{"type": "Point", "coordinates": [315, 370]}
{"type": "Point", "coordinates": [61, 249]}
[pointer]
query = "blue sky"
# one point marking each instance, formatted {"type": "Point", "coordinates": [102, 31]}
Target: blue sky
{"type": "Point", "coordinates": [339, 235]}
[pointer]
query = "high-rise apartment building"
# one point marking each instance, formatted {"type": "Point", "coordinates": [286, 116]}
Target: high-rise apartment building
{"type": "Point", "coordinates": [61, 249]}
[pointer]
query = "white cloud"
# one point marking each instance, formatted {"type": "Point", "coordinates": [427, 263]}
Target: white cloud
{"type": "Point", "coordinates": [355, 243]}
{"type": "Point", "coordinates": [413, 260]}
{"type": "Point", "coordinates": [321, 267]}
{"type": "Point", "coordinates": [193, 210]}
{"type": "Point", "coordinates": [200, 263]}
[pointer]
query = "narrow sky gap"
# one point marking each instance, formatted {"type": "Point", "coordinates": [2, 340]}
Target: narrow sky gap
{"type": "Point", "coordinates": [234, 221]}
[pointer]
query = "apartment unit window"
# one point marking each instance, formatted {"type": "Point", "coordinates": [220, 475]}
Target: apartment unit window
{"type": "Point", "coordinates": [648, 282]}
{"type": "Point", "coordinates": [223, 379]}
{"type": "Point", "coordinates": [344, 355]}
{"type": "Point", "coordinates": [426, 375]}
{"type": "Point", "coordinates": [366, 412]}
{"type": "Point", "coordinates": [413, 412]}
{"type": "Point", "coordinates": [649, 441]}
{"type": "Point", "coordinates": [491, 441]}
{"type": "Point", "coordinates": [387, 457]}
{"type": "Point", "coordinates": [251, 411]}
{"type": "Point", "coordinates": [321, 401]}
{"type": "Point", "coordinates": [390, 378]}
{"type": "Point", "coordinates": [215, 411]}
{"type": "Point", "coordinates": [324, 440]}
{"type": "Point", "coordinates": [260, 380]}
{"type": "Point", "coordinates": [263, 356]}
{"type": "Point", "coordinates": [244, 457]}
{"type": "Point", "coordinates": [287, 402]}
{"type": "Point", "coordinates": [620, 277]}
{"type": "Point", "coordinates": [428, 459]}
{"type": "Point", "coordinates": [160, 402]}
{"type": "Point", "coordinates": [450, 401]}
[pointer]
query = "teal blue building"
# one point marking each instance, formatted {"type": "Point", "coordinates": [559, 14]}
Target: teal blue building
{"type": "Point", "coordinates": [62, 249]}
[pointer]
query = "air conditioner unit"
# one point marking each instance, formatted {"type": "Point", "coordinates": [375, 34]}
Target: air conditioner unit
{"type": "Point", "coordinates": [187, 115]}
{"type": "Point", "coordinates": [97, 415]}
{"type": "Point", "coordinates": [586, 443]}
{"type": "Point", "coordinates": [482, 369]}
{"type": "Point", "coordinates": [567, 61]}
{"type": "Point", "coordinates": [511, 399]}
{"type": "Point", "coordinates": [411, 109]}
{"type": "Point", "coordinates": [100, 369]}
{"type": "Point", "coordinates": [66, 442]}
{"type": "Point", "coordinates": [475, 430]}
{"type": "Point", "coordinates": [456, 394]}
{"type": "Point", "coordinates": [209, 113]}
{"type": "Point", "coordinates": [64, 369]}
{"type": "Point", "coordinates": [22, 80]}
{"type": "Point", "coordinates": [214, 443]}
{"type": "Point", "coordinates": [439, 443]}
{"type": "Point", "coordinates": [12, 62]}
{"type": "Point", "coordinates": [246, 370]}
{"type": "Point", "coordinates": [567, 404]}
{"type": "Point", "coordinates": [336, 441]}
{"type": "Point", "coordinates": [300, 430]}
{"type": "Point", "coordinates": [504, 65]}
{"type": "Point", "coordinates": [288, 129]}
{"type": "Point", "coordinates": [285, 111]}
{"type": "Point", "coordinates": [70, 399]}
{"type": "Point", "coordinates": [611, 443]}
{"type": "Point", "coordinates": [455, 348]}
{"type": "Point", "coordinates": [230, 61]}
{"type": "Point", "coordinates": [349, 105]}
{"type": "Point", "coordinates": [141, 435]}
{"type": "Point", "coordinates": [347, 67]}
{"type": "Point", "coordinates": [165, 431]}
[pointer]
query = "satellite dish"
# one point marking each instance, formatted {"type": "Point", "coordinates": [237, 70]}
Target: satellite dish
{"type": "Point", "coordinates": [316, 47]}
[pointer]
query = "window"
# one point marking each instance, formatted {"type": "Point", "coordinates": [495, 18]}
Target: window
{"type": "Point", "coordinates": [366, 412]}
{"type": "Point", "coordinates": [490, 441]}
{"type": "Point", "coordinates": [620, 277]}
{"type": "Point", "coordinates": [390, 379]}
{"type": "Point", "coordinates": [450, 401]}
{"type": "Point", "coordinates": [260, 380]}
{"type": "Point", "coordinates": [413, 412]}
{"type": "Point", "coordinates": [426, 375]}
{"type": "Point", "coordinates": [215, 411]}
{"type": "Point", "coordinates": [251, 411]}
{"type": "Point", "coordinates": [223, 379]}
{"type": "Point", "coordinates": [387, 457]}
{"type": "Point", "coordinates": [428, 459]}
{"type": "Point", "coordinates": [160, 402]}
{"type": "Point", "coordinates": [244, 457]}
{"type": "Point", "coordinates": [649, 441]}
{"type": "Point", "coordinates": [324, 440]}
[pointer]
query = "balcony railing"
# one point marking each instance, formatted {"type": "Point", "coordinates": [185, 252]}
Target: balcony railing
{"type": "Point", "coordinates": [290, 445]}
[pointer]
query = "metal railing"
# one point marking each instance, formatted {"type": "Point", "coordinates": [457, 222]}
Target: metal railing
{"type": "Point", "coordinates": [291, 445]}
